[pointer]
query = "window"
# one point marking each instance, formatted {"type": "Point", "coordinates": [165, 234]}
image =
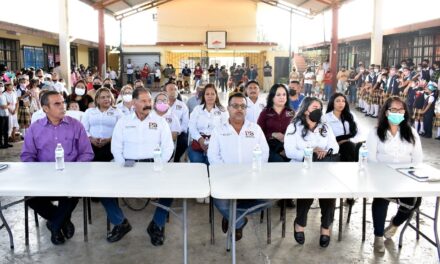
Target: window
{"type": "Point", "coordinates": [33, 57]}
{"type": "Point", "coordinates": [93, 57]}
{"type": "Point", "coordinates": [51, 55]}
{"type": "Point", "coordinates": [9, 49]}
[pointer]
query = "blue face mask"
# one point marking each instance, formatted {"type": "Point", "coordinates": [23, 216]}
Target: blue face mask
{"type": "Point", "coordinates": [395, 118]}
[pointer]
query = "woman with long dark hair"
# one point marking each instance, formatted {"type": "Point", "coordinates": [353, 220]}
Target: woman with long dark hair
{"type": "Point", "coordinates": [309, 131]}
{"type": "Point", "coordinates": [274, 120]}
{"type": "Point", "coordinates": [79, 95]}
{"type": "Point", "coordinates": [393, 141]}
{"type": "Point", "coordinates": [344, 126]}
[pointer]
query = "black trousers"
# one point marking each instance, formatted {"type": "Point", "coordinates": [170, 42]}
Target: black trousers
{"type": "Point", "coordinates": [57, 215]}
{"type": "Point", "coordinates": [181, 146]}
{"type": "Point", "coordinates": [327, 211]}
{"type": "Point", "coordinates": [102, 154]}
{"type": "Point", "coordinates": [4, 127]}
{"type": "Point", "coordinates": [380, 208]}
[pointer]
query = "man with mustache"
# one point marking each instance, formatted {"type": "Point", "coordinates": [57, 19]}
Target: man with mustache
{"type": "Point", "coordinates": [255, 103]}
{"type": "Point", "coordinates": [233, 143]}
{"type": "Point", "coordinates": [134, 138]}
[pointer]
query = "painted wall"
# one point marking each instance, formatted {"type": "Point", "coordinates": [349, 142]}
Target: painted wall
{"type": "Point", "coordinates": [188, 20]}
{"type": "Point", "coordinates": [83, 55]}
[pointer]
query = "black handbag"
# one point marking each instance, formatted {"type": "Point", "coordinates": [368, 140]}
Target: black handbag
{"type": "Point", "coordinates": [328, 158]}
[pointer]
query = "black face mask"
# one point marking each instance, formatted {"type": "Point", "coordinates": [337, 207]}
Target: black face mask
{"type": "Point", "coordinates": [292, 92]}
{"type": "Point", "coordinates": [96, 86]}
{"type": "Point", "coordinates": [315, 115]}
{"type": "Point", "coordinates": [107, 85]}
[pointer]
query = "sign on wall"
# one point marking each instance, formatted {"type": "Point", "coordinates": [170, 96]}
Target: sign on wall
{"type": "Point", "coordinates": [216, 39]}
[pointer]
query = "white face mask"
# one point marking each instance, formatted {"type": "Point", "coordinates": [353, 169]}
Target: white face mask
{"type": "Point", "coordinates": [80, 91]}
{"type": "Point", "coordinates": [2, 89]}
{"type": "Point", "coordinates": [127, 98]}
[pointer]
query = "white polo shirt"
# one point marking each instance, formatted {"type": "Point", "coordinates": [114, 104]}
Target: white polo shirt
{"type": "Point", "coordinates": [227, 146]}
{"type": "Point", "coordinates": [180, 110]}
{"type": "Point", "coordinates": [78, 115]}
{"type": "Point", "coordinates": [125, 110]}
{"type": "Point", "coordinates": [394, 149]}
{"type": "Point", "coordinates": [338, 129]}
{"type": "Point", "coordinates": [203, 122]}
{"type": "Point", "coordinates": [136, 139]}
{"type": "Point", "coordinates": [294, 143]}
{"type": "Point", "coordinates": [254, 109]}
{"type": "Point", "coordinates": [172, 121]}
{"type": "Point", "coordinates": [101, 124]}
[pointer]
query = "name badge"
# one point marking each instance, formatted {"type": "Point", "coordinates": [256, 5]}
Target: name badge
{"type": "Point", "coordinates": [152, 125]}
{"type": "Point", "coordinates": [249, 134]}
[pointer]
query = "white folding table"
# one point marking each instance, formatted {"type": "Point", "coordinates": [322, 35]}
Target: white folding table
{"type": "Point", "coordinates": [274, 181]}
{"type": "Point", "coordinates": [107, 179]}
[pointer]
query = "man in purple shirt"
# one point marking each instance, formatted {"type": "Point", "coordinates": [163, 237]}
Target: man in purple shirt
{"type": "Point", "coordinates": [40, 142]}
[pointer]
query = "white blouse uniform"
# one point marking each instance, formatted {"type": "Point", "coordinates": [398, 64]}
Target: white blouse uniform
{"type": "Point", "coordinates": [136, 139]}
{"type": "Point", "coordinates": [226, 146]}
{"type": "Point", "coordinates": [394, 149]}
{"type": "Point", "coordinates": [125, 110]}
{"type": "Point", "coordinates": [294, 143]}
{"type": "Point", "coordinates": [172, 121]}
{"type": "Point", "coordinates": [180, 110]}
{"type": "Point", "coordinates": [338, 129]}
{"type": "Point", "coordinates": [100, 124]}
{"type": "Point", "coordinates": [78, 115]}
{"type": "Point", "coordinates": [254, 109]}
{"type": "Point", "coordinates": [204, 122]}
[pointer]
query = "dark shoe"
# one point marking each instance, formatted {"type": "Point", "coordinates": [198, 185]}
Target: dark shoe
{"type": "Point", "coordinates": [157, 234]}
{"type": "Point", "coordinates": [300, 238]}
{"type": "Point", "coordinates": [9, 145]}
{"type": "Point", "coordinates": [324, 241]}
{"type": "Point", "coordinates": [119, 231]}
{"type": "Point", "coordinates": [3, 147]}
{"type": "Point", "coordinates": [438, 138]}
{"type": "Point", "coordinates": [426, 136]}
{"type": "Point", "coordinates": [289, 203]}
{"type": "Point", "coordinates": [68, 229]}
{"type": "Point", "coordinates": [56, 237]}
{"type": "Point", "coordinates": [225, 225]}
{"type": "Point", "coordinates": [239, 231]}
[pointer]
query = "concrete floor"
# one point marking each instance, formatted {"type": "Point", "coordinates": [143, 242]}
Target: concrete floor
{"type": "Point", "coordinates": [136, 248]}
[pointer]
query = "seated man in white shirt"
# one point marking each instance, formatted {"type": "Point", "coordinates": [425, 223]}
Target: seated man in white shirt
{"type": "Point", "coordinates": [255, 102]}
{"type": "Point", "coordinates": [135, 136]}
{"type": "Point", "coordinates": [233, 142]}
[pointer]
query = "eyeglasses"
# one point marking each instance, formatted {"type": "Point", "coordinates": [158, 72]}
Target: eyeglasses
{"type": "Point", "coordinates": [397, 110]}
{"type": "Point", "coordinates": [238, 106]}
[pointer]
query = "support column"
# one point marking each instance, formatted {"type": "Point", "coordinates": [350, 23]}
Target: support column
{"type": "Point", "coordinates": [101, 43]}
{"type": "Point", "coordinates": [121, 55]}
{"type": "Point", "coordinates": [334, 44]}
{"type": "Point", "coordinates": [377, 34]}
{"type": "Point", "coordinates": [64, 43]}
{"type": "Point", "coordinates": [290, 44]}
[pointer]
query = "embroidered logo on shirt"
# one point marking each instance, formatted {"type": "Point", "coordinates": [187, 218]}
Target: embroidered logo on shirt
{"type": "Point", "coordinates": [178, 107]}
{"type": "Point", "coordinates": [249, 134]}
{"type": "Point", "coordinates": [262, 106]}
{"type": "Point", "coordinates": [169, 120]}
{"type": "Point", "coordinates": [217, 113]}
{"type": "Point", "coordinates": [152, 125]}
{"type": "Point", "coordinates": [110, 113]}
{"type": "Point", "coordinates": [130, 126]}
{"type": "Point", "coordinates": [226, 134]}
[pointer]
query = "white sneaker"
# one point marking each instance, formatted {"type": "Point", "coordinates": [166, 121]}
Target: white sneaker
{"type": "Point", "coordinates": [390, 230]}
{"type": "Point", "coordinates": [379, 245]}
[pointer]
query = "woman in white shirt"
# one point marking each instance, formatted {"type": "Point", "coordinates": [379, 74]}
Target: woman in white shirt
{"type": "Point", "coordinates": [344, 126]}
{"type": "Point", "coordinates": [161, 107]}
{"type": "Point", "coordinates": [204, 118]}
{"type": "Point", "coordinates": [99, 123]}
{"type": "Point", "coordinates": [126, 104]}
{"type": "Point", "coordinates": [308, 130]}
{"type": "Point", "coordinates": [393, 141]}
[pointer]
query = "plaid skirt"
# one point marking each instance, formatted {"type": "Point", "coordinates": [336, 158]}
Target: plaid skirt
{"type": "Point", "coordinates": [24, 116]}
{"type": "Point", "coordinates": [368, 97]}
{"type": "Point", "coordinates": [418, 114]}
{"type": "Point", "coordinates": [436, 122]}
{"type": "Point", "coordinates": [375, 97]}
{"type": "Point", "coordinates": [384, 98]}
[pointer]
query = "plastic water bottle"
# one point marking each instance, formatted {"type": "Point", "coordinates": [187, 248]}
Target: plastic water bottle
{"type": "Point", "coordinates": [257, 156]}
{"type": "Point", "coordinates": [157, 156]}
{"type": "Point", "coordinates": [363, 156]}
{"type": "Point", "coordinates": [308, 157]}
{"type": "Point", "coordinates": [59, 157]}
